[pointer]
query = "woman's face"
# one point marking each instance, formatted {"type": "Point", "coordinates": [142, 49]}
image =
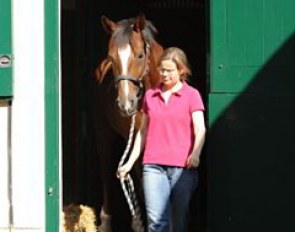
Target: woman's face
{"type": "Point", "coordinates": [170, 75]}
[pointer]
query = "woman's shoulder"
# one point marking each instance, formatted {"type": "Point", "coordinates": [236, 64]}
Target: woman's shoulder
{"type": "Point", "coordinates": [191, 90]}
{"type": "Point", "coordinates": [195, 99]}
{"type": "Point", "coordinates": [152, 91]}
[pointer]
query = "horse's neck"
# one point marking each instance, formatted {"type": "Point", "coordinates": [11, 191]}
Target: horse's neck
{"type": "Point", "coordinates": [153, 78]}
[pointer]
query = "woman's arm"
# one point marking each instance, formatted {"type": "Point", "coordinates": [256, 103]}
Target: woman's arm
{"type": "Point", "coordinates": [137, 148]}
{"type": "Point", "coordinates": [199, 139]}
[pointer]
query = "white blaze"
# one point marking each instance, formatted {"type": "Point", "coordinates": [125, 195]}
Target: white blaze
{"type": "Point", "coordinates": [124, 54]}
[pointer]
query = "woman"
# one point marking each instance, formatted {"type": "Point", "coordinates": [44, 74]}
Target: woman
{"type": "Point", "coordinates": [172, 135]}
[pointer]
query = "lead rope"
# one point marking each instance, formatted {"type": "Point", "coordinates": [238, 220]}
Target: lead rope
{"type": "Point", "coordinates": [128, 186]}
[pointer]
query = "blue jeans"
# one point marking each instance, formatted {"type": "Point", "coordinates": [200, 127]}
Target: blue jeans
{"type": "Point", "coordinates": [167, 192]}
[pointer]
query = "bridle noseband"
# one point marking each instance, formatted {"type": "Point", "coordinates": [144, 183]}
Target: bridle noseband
{"type": "Point", "coordinates": [137, 81]}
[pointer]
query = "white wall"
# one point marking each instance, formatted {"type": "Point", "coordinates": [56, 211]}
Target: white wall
{"type": "Point", "coordinates": [27, 124]}
{"type": "Point", "coordinates": [4, 203]}
{"type": "Point", "coordinates": [28, 116]}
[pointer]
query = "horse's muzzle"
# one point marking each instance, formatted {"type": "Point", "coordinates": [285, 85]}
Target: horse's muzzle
{"type": "Point", "coordinates": [127, 108]}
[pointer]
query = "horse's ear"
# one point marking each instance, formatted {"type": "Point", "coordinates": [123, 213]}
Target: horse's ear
{"type": "Point", "coordinates": [108, 25]}
{"type": "Point", "coordinates": [102, 70]}
{"type": "Point", "coordinates": [139, 23]}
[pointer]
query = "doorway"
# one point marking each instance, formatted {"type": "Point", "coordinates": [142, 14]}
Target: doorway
{"type": "Point", "coordinates": [180, 23]}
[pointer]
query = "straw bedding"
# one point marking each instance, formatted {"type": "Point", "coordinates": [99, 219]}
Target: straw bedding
{"type": "Point", "coordinates": [78, 218]}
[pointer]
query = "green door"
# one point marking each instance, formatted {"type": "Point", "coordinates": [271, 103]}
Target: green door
{"type": "Point", "coordinates": [52, 114]}
{"type": "Point", "coordinates": [251, 168]}
{"type": "Point", "coordinates": [5, 50]}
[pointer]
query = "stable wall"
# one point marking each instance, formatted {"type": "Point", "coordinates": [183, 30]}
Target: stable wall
{"type": "Point", "coordinates": [251, 158]}
{"type": "Point", "coordinates": [27, 124]}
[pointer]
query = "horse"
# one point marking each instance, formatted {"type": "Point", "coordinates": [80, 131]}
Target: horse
{"type": "Point", "coordinates": [129, 69]}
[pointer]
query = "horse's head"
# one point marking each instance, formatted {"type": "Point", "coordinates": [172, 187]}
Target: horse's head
{"type": "Point", "coordinates": [129, 57]}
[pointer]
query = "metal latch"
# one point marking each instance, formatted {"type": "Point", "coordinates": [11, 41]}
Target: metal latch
{"type": "Point", "coordinates": [50, 192]}
{"type": "Point", "coordinates": [5, 61]}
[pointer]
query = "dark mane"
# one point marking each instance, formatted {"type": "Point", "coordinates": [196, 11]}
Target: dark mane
{"type": "Point", "coordinates": [122, 34]}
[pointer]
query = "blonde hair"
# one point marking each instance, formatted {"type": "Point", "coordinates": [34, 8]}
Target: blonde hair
{"type": "Point", "coordinates": [179, 57]}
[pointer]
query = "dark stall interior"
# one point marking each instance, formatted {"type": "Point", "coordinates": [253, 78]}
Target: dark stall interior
{"type": "Point", "coordinates": [180, 23]}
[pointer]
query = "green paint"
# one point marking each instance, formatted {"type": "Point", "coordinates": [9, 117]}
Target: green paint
{"type": "Point", "coordinates": [5, 48]}
{"type": "Point", "coordinates": [52, 114]}
{"type": "Point", "coordinates": [245, 34]}
{"type": "Point", "coordinates": [250, 146]}
{"type": "Point", "coordinates": [218, 103]}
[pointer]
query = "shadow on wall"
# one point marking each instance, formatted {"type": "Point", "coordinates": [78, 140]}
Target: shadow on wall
{"type": "Point", "coordinates": [251, 155]}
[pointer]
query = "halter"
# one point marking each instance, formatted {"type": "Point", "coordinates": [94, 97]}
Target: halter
{"type": "Point", "coordinates": [137, 81]}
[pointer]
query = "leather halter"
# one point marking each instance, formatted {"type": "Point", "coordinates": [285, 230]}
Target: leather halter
{"type": "Point", "coordinates": [134, 80]}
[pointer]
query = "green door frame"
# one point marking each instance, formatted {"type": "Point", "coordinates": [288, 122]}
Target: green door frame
{"type": "Point", "coordinates": [5, 50]}
{"type": "Point", "coordinates": [51, 40]}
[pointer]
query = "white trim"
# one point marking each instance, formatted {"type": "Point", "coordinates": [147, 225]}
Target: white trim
{"type": "Point", "coordinates": [4, 199]}
{"type": "Point", "coordinates": [28, 115]}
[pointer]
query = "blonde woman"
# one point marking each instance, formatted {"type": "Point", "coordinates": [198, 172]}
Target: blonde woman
{"type": "Point", "coordinates": [172, 135]}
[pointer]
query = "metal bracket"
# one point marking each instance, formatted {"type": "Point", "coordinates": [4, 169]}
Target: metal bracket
{"type": "Point", "coordinates": [5, 60]}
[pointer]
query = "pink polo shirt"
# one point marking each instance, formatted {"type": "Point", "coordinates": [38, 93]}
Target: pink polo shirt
{"type": "Point", "coordinates": [170, 135]}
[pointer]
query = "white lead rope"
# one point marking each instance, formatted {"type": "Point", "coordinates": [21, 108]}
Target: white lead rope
{"type": "Point", "coordinates": [128, 186]}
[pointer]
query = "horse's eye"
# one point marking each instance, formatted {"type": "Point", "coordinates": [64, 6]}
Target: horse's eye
{"type": "Point", "coordinates": [140, 55]}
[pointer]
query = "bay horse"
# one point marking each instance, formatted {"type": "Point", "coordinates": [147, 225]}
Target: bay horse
{"type": "Point", "coordinates": [129, 68]}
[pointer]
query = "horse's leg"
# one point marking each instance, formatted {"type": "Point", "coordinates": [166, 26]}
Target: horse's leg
{"type": "Point", "coordinates": [105, 141]}
{"type": "Point", "coordinates": [115, 214]}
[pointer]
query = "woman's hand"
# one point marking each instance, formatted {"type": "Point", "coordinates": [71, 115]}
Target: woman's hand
{"type": "Point", "coordinates": [193, 161]}
{"type": "Point", "coordinates": [124, 170]}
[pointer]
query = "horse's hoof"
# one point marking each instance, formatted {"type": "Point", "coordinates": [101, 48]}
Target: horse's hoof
{"type": "Point", "coordinates": [105, 225]}
{"type": "Point", "coordinates": [105, 228]}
